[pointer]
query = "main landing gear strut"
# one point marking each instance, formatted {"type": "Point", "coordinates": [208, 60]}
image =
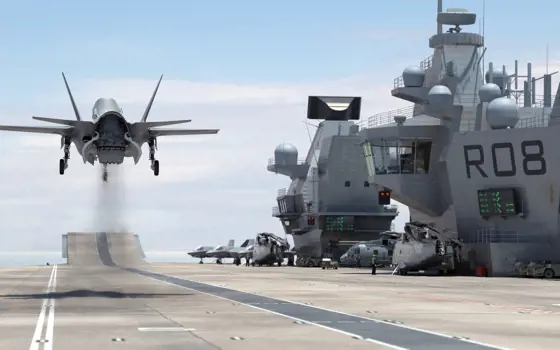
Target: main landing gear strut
{"type": "Point", "coordinates": [153, 160]}
{"type": "Point", "coordinates": [105, 173]}
{"type": "Point", "coordinates": [63, 163]}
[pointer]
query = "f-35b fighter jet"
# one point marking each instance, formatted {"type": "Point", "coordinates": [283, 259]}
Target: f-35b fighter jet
{"type": "Point", "coordinates": [109, 137]}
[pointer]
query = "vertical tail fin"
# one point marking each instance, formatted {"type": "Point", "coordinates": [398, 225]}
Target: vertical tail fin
{"type": "Point", "coordinates": [231, 243]}
{"type": "Point", "coordinates": [76, 112]}
{"type": "Point", "coordinates": [149, 106]}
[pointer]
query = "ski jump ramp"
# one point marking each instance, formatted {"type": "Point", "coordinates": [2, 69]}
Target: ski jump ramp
{"type": "Point", "coordinates": [103, 249]}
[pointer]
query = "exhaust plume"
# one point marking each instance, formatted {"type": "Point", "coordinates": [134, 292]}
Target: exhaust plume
{"type": "Point", "coordinates": [109, 215]}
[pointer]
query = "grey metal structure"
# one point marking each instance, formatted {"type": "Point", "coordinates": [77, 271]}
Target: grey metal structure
{"type": "Point", "coordinates": [65, 246]}
{"type": "Point", "coordinates": [109, 137]}
{"type": "Point", "coordinates": [475, 154]}
{"type": "Point", "coordinates": [329, 198]}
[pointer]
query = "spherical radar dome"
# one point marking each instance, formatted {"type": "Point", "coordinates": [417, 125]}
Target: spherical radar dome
{"type": "Point", "coordinates": [440, 96]}
{"type": "Point", "coordinates": [489, 92]}
{"type": "Point", "coordinates": [285, 153]}
{"type": "Point", "coordinates": [499, 77]}
{"type": "Point", "coordinates": [502, 113]}
{"type": "Point", "coordinates": [413, 77]}
{"type": "Point", "coordinates": [286, 149]}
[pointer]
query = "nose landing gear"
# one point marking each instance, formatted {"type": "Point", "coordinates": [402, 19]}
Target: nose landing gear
{"type": "Point", "coordinates": [153, 160]}
{"type": "Point", "coordinates": [63, 163]}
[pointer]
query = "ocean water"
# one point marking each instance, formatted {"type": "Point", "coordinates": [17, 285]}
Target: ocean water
{"type": "Point", "coordinates": [41, 258]}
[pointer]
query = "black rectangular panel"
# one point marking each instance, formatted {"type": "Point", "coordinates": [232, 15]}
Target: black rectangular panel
{"type": "Point", "coordinates": [497, 202]}
{"type": "Point", "coordinates": [318, 107]}
{"type": "Point", "coordinates": [384, 198]}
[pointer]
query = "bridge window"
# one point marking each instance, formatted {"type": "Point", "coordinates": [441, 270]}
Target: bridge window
{"type": "Point", "coordinates": [347, 184]}
{"type": "Point", "coordinates": [366, 183]}
{"type": "Point", "coordinates": [403, 156]}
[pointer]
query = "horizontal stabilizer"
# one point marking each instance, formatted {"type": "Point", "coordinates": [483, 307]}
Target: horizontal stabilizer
{"type": "Point", "coordinates": [39, 129]}
{"type": "Point", "coordinates": [57, 121]}
{"type": "Point", "coordinates": [181, 132]}
{"type": "Point", "coordinates": [166, 123]}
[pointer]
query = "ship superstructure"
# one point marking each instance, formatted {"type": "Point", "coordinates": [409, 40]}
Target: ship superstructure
{"type": "Point", "coordinates": [329, 198]}
{"type": "Point", "coordinates": [475, 154]}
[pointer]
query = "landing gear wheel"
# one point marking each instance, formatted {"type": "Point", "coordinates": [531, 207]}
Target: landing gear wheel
{"type": "Point", "coordinates": [548, 273]}
{"type": "Point", "coordinates": [156, 167]}
{"type": "Point", "coordinates": [61, 166]}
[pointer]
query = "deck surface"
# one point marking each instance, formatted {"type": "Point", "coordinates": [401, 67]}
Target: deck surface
{"type": "Point", "coordinates": [110, 298]}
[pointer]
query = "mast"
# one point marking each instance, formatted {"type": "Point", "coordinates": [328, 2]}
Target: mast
{"type": "Point", "coordinates": [439, 10]}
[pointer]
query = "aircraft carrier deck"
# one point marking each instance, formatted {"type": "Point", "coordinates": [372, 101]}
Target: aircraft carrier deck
{"type": "Point", "coordinates": [107, 297]}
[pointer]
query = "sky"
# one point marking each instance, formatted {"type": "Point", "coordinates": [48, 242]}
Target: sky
{"type": "Point", "coordinates": [245, 67]}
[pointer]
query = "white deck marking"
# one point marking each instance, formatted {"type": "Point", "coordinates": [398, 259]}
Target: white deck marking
{"type": "Point", "coordinates": [165, 329]}
{"type": "Point", "coordinates": [49, 336]}
{"type": "Point", "coordinates": [36, 341]}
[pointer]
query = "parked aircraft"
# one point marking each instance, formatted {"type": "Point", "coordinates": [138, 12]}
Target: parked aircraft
{"type": "Point", "coordinates": [109, 137]}
{"type": "Point", "coordinates": [360, 255]}
{"type": "Point", "coordinates": [229, 251]}
{"type": "Point", "coordinates": [246, 253]}
{"type": "Point", "coordinates": [269, 249]}
{"type": "Point", "coordinates": [424, 247]}
{"type": "Point", "coordinates": [200, 252]}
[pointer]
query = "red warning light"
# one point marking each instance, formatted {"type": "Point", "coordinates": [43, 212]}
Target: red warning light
{"type": "Point", "coordinates": [384, 197]}
{"type": "Point", "coordinates": [311, 220]}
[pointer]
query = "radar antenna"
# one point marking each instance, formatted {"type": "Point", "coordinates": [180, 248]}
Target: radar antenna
{"type": "Point", "coordinates": [456, 17]}
{"type": "Point", "coordinates": [457, 29]}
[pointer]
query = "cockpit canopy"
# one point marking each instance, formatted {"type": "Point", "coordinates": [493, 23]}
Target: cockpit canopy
{"type": "Point", "coordinates": [104, 106]}
{"type": "Point", "coordinates": [220, 247]}
{"type": "Point", "coordinates": [199, 249]}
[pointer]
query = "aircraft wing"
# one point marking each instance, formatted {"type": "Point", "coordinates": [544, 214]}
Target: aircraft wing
{"type": "Point", "coordinates": [82, 127]}
{"type": "Point", "coordinates": [181, 132]}
{"type": "Point", "coordinates": [66, 131]}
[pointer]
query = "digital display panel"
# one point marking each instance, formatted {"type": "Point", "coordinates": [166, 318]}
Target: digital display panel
{"type": "Point", "coordinates": [339, 223]}
{"type": "Point", "coordinates": [497, 201]}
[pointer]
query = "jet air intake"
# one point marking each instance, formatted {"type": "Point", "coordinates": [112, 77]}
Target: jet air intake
{"type": "Point", "coordinates": [334, 108]}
